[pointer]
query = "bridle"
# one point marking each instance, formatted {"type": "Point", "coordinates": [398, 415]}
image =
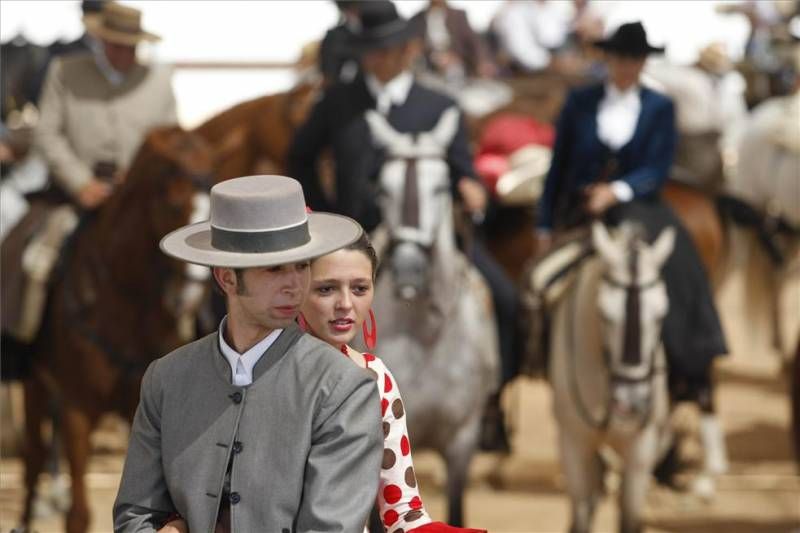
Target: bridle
{"type": "Point", "coordinates": [633, 294]}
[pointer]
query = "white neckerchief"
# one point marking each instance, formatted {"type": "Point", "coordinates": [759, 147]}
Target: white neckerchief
{"type": "Point", "coordinates": [394, 92]}
{"type": "Point", "coordinates": [242, 364]}
{"type": "Point", "coordinates": [617, 116]}
{"type": "Point", "coordinates": [113, 76]}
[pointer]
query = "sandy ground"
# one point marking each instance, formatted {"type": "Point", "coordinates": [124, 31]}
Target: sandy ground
{"type": "Point", "coordinates": [523, 492]}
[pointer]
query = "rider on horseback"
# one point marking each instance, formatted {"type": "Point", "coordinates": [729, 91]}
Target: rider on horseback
{"type": "Point", "coordinates": [614, 149]}
{"type": "Point", "coordinates": [388, 48]}
{"type": "Point", "coordinates": [96, 107]}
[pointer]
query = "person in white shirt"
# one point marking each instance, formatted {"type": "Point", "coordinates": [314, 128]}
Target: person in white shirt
{"type": "Point", "coordinates": [530, 31]}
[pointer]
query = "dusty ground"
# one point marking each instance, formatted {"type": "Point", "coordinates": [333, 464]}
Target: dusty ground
{"type": "Point", "coordinates": [524, 491]}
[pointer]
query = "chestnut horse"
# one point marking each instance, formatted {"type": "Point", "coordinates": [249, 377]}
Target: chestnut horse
{"type": "Point", "coordinates": [116, 305]}
{"type": "Point", "coordinates": [256, 133]}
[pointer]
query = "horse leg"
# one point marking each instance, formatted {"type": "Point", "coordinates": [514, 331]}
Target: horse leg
{"type": "Point", "coordinates": [584, 475]}
{"type": "Point", "coordinates": [458, 456]}
{"type": "Point", "coordinates": [77, 427]}
{"type": "Point", "coordinates": [639, 458]}
{"type": "Point", "coordinates": [34, 451]}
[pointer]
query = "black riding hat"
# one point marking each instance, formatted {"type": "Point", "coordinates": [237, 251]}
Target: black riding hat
{"type": "Point", "coordinates": [381, 27]}
{"type": "Point", "coordinates": [629, 40]}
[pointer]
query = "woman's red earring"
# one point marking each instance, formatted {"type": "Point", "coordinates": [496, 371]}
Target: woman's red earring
{"type": "Point", "coordinates": [370, 337]}
{"type": "Point", "coordinates": [301, 321]}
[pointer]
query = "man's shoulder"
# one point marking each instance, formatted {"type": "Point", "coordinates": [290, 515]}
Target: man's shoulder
{"type": "Point", "coordinates": [587, 93]}
{"type": "Point", "coordinates": [74, 64]}
{"type": "Point", "coordinates": [431, 95]}
{"type": "Point", "coordinates": [317, 358]}
{"type": "Point", "coordinates": [188, 355]}
{"type": "Point", "coordinates": [656, 98]}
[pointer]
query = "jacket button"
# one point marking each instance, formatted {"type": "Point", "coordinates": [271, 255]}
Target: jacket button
{"type": "Point", "coordinates": [236, 397]}
{"type": "Point", "coordinates": [235, 498]}
{"type": "Point", "coordinates": [237, 446]}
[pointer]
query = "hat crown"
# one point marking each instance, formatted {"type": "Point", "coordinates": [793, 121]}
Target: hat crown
{"type": "Point", "coordinates": [629, 39]}
{"type": "Point", "coordinates": [257, 203]}
{"type": "Point", "coordinates": [378, 14]}
{"type": "Point", "coordinates": [121, 18]}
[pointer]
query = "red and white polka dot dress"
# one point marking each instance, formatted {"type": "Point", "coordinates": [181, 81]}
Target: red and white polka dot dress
{"type": "Point", "coordinates": [398, 497]}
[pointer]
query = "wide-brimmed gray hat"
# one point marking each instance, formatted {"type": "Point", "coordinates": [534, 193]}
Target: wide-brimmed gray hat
{"type": "Point", "coordinates": [260, 221]}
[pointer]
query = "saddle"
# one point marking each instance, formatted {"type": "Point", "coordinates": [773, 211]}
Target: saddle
{"type": "Point", "coordinates": [546, 281]}
{"type": "Point", "coordinates": [28, 257]}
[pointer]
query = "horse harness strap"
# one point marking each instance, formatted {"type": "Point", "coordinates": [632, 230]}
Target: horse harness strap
{"type": "Point", "coordinates": [654, 370]}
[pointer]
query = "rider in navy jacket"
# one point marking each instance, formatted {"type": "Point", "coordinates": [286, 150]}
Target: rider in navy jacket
{"type": "Point", "coordinates": [579, 155]}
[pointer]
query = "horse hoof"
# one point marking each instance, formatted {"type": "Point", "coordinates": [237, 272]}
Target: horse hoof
{"type": "Point", "coordinates": [43, 508]}
{"type": "Point", "coordinates": [704, 487]}
{"type": "Point", "coordinates": [60, 496]}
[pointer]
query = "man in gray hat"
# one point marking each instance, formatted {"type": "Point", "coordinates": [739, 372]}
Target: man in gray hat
{"type": "Point", "coordinates": [257, 427]}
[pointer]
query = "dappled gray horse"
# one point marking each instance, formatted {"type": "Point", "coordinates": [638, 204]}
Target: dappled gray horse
{"type": "Point", "coordinates": [437, 332]}
{"type": "Point", "coordinates": [608, 371]}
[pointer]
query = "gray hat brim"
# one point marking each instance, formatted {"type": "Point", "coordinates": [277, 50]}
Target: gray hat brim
{"type": "Point", "coordinates": [329, 232]}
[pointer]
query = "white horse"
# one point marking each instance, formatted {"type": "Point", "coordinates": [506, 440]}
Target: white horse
{"type": "Point", "coordinates": [437, 332]}
{"type": "Point", "coordinates": [765, 173]}
{"type": "Point", "coordinates": [608, 371]}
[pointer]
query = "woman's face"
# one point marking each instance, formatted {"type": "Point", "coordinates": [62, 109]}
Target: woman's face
{"type": "Point", "coordinates": [624, 71]}
{"type": "Point", "coordinates": [340, 296]}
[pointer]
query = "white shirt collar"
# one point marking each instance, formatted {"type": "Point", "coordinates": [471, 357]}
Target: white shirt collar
{"type": "Point", "coordinates": [242, 364]}
{"type": "Point", "coordinates": [613, 93]}
{"type": "Point", "coordinates": [395, 92]}
{"type": "Point", "coordinates": [111, 74]}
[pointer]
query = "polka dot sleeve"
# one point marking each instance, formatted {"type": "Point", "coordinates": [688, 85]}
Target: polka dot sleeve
{"type": "Point", "coordinates": [398, 497]}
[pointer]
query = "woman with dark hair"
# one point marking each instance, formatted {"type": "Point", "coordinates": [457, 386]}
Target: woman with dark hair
{"type": "Point", "coordinates": [336, 310]}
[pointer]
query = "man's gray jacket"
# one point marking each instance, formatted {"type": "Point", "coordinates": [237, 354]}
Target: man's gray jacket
{"type": "Point", "coordinates": [305, 436]}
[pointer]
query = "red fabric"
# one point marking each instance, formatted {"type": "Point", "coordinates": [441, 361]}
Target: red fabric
{"type": "Point", "coordinates": [441, 527]}
{"type": "Point", "coordinates": [504, 135]}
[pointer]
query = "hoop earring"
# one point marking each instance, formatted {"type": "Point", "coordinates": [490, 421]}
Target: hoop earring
{"type": "Point", "coordinates": [370, 337]}
{"type": "Point", "coordinates": [301, 322]}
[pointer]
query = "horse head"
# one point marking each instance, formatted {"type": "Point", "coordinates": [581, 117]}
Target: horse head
{"type": "Point", "coordinates": [632, 302]}
{"type": "Point", "coordinates": [170, 178]}
{"type": "Point", "coordinates": [415, 199]}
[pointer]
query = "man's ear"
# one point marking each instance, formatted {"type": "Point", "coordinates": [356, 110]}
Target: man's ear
{"type": "Point", "coordinates": [414, 48]}
{"type": "Point", "coordinates": [226, 279]}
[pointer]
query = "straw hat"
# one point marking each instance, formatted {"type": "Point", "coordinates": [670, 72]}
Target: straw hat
{"type": "Point", "coordinates": [118, 24]}
{"type": "Point", "coordinates": [259, 221]}
{"type": "Point", "coordinates": [713, 58]}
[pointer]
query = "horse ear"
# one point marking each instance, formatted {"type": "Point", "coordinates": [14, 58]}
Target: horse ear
{"type": "Point", "coordinates": [447, 126]}
{"type": "Point", "coordinates": [381, 130]}
{"type": "Point", "coordinates": [603, 242]}
{"type": "Point", "coordinates": [662, 248]}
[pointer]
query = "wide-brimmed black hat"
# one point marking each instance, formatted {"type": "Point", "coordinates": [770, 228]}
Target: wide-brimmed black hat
{"type": "Point", "coordinates": [629, 40]}
{"type": "Point", "coordinates": [381, 27]}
